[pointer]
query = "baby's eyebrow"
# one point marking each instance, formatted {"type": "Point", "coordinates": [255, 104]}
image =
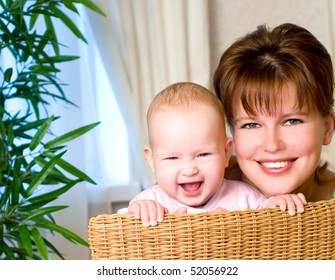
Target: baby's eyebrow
{"type": "Point", "coordinates": [167, 155]}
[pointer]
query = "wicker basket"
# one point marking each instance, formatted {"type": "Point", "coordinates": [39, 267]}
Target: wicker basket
{"type": "Point", "coordinates": [252, 234]}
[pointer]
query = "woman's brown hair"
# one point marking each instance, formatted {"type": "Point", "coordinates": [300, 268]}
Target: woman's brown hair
{"type": "Point", "coordinates": [254, 69]}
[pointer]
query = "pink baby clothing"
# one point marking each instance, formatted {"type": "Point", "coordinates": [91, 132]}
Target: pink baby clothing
{"type": "Point", "coordinates": [232, 195]}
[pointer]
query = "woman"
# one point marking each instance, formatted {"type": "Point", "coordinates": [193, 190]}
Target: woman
{"type": "Point", "coordinates": [276, 87]}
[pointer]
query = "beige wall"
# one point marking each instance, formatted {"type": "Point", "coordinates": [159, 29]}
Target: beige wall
{"type": "Point", "coordinates": [231, 19]}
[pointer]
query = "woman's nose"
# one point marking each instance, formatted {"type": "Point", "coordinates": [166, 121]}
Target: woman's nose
{"type": "Point", "coordinates": [273, 140]}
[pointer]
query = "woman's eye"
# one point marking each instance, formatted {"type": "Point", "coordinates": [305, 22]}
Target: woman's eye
{"type": "Point", "coordinates": [292, 122]}
{"type": "Point", "coordinates": [250, 125]}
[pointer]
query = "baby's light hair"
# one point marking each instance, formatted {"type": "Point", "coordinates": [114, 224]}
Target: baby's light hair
{"type": "Point", "coordinates": [184, 96]}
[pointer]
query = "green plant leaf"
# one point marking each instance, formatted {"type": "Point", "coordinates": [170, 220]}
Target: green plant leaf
{"type": "Point", "coordinates": [59, 88]}
{"type": "Point", "coordinates": [63, 231]}
{"type": "Point", "coordinates": [69, 4]}
{"type": "Point", "coordinates": [52, 33]}
{"type": "Point", "coordinates": [36, 140]}
{"type": "Point", "coordinates": [42, 44]}
{"type": "Point", "coordinates": [54, 175]}
{"type": "Point", "coordinates": [53, 249]}
{"type": "Point", "coordinates": [8, 74]}
{"type": "Point", "coordinates": [9, 39]}
{"type": "Point", "coordinates": [75, 171]}
{"type": "Point", "coordinates": [32, 125]}
{"type": "Point", "coordinates": [33, 19]}
{"type": "Point", "coordinates": [59, 59]}
{"type": "Point", "coordinates": [72, 169]}
{"type": "Point", "coordinates": [50, 196]}
{"type": "Point", "coordinates": [10, 134]}
{"type": "Point", "coordinates": [43, 69]}
{"type": "Point", "coordinates": [5, 197]}
{"type": "Point", "coordinates": [40, 244]}
{"type": "Point", "coordinates": [38, 179]}
{"type": "Point", "coordinates": [6, 250]}
{"type": "Point", "coordinates": [16, 188]}
{"type": "Point", "coordinates": [70, 135]}
{"type": "Point", "coordinates": [68, 22]}
{"type": "Point", "coordinates": [17, 5]}
{"type": "Point", "coordinates": [26, 241]}
{"type": "Point", "coordinates": [44, 211]}
{"type": "Point", "coordinates": [91, 5]}
{"type": "Point", "coordinates": [31, 207]}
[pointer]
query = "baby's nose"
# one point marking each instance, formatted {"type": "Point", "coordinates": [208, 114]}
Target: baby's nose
{"type": "Point", "coordinates": [189, 169]}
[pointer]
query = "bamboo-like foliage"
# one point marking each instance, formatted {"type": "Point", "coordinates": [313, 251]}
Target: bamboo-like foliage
{"type": "Point", "coordinates": [32, 170]}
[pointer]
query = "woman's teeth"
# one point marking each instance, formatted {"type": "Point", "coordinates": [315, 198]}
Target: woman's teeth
{"type": "Point", "coordinates": [279, 164]}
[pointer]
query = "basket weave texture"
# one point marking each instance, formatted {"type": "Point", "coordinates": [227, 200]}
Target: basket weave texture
{"type": "Point", "coordinates": [253, 234]}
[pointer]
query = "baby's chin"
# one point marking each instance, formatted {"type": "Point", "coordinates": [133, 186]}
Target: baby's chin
{"type": "Point", "coordinates": [195, 202]}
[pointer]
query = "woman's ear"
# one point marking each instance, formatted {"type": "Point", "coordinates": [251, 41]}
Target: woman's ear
{"type": "Point", "coordinates": [329, 129]}
{"type": "Point", "coordinates": [148, 154]}
{"type": "Point", "coordinates": [228, 149]}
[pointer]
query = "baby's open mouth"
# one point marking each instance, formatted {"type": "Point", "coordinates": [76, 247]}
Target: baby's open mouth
{"type": "Point", "coordinates": [191, 187]}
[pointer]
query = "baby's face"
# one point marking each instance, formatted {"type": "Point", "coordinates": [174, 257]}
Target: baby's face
{"type": "Point", "coordinates": [279, 153]}
{"type": "Point", "coordinates": [189, 153]}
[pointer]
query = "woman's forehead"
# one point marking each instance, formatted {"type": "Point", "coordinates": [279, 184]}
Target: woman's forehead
{"type": "Point", "coordinates": [270, 102]}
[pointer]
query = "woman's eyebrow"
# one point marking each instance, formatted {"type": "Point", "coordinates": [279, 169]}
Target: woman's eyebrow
{"type": "Point", "coordinates": [300, 113]}
{"type": "Point", "coordinates": [294, 112]}
{"type": "Point", "coordinates": [244, 117]}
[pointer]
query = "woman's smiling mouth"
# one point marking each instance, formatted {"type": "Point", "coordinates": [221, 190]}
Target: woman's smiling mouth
{"type": "Point", "coordinates": [276, 167]}
{"type": "Point", "coordinates": [279, 164]}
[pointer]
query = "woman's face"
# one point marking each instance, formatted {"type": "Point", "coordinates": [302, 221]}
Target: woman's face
{"type": "Point", "coordinates": [279, 153]}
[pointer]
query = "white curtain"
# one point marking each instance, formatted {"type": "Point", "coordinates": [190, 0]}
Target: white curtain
{"type": "Point", "coordinates": [147, 45]}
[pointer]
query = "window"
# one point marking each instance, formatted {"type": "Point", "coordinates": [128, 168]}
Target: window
{"type": "Point", "coordinates": [113, 131]}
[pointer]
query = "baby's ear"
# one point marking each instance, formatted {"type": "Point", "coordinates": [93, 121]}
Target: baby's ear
{"type": "Point", "coordinates": [148, 154]}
